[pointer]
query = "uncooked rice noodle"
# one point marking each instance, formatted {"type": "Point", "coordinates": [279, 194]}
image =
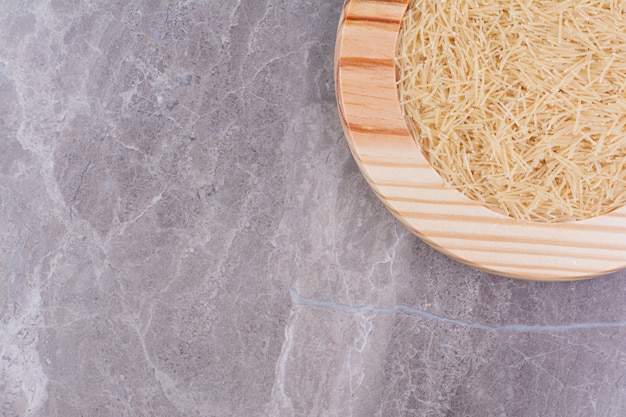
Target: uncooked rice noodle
{"type": "Point", "coordinates": [521, 105]}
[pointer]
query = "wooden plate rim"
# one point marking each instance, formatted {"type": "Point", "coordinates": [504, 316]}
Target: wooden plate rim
{"type": "Point", "coordinates": [411, 189]}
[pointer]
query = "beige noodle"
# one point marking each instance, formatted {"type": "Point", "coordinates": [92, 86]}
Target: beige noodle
{"type": "Point", "coordinates": [521, 105]}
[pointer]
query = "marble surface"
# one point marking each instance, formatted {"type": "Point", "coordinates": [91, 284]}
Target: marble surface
{"type": "Point", "coordinates": [183, 232]}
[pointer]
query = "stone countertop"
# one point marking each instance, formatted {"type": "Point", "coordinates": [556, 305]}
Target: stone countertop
{"type": "Point", "coordinates": [183, 232]}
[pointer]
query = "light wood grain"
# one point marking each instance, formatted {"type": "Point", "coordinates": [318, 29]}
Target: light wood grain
{"type": "Point", "coordinates": [399, 174]}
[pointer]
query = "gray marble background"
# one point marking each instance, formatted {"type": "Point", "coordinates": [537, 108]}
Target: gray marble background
{"type": "Point", "coordinates": [183, 232]}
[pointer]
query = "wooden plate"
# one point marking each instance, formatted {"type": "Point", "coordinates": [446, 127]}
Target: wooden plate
{"type": "Point", "coordinates": [365, 79]}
